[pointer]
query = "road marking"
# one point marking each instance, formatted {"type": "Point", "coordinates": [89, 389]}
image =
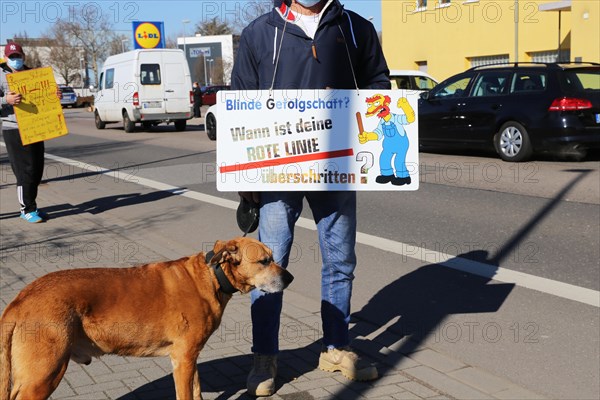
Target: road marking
{"type": "Point", "coordinates": [521, 279]}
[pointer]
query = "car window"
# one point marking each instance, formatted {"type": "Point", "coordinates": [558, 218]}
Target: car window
{"type": "Point", "coordinates": [455, 87]}
{"type": "Point", "coordinates": [110, 78]}
{"type": "Point", "coordinates": [150, 74]}
{"type": "Point", "coordinates": [529, 81]}
{"type": "Point", "coordinates": [424, 83]}
{"type": "Point", "coordinates": [490, 83]}
{"type": "Point", "coordinates": [67, 89]}
{"type": "Point", "coordinates": [582, 80]}
{"type": "Point", "coordinates": [400, 82]}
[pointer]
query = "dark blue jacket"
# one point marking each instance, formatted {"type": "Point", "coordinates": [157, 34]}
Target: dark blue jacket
{"type": "Point", "coordinates": [344, 41]}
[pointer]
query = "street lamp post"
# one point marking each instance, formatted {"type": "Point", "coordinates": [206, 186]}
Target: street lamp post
{"type": "Point", "coordinates": [205, 78]}
{"type": "Point", "coordinates": [82, 74]}
{"type": "Point", "coordinates": [184, 22]}
{"type": "Point", "coordinates": [210, 64]}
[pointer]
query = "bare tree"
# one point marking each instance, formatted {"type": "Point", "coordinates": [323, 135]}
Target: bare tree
{"type": "Point", "coordinates": [92, 34]}
{"type": "Point", "coordinates": [64, 59]}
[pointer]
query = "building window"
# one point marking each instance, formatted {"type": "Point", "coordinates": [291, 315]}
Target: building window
{"type": "Point", "coordinates": [486, 60]}
{"type": "Point", "coordinates": [443, 3]}
{"type": "Point", "coordinates": [550, 56]}
{"type": "Point", "coordinates": [421, 5]}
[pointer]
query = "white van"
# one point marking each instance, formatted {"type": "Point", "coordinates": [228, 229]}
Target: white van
{"type": "Point", "coordinates": [146, 86]}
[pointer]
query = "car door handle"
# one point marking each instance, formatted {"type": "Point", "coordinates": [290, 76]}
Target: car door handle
{"type": "Point", "coordinates": [169, 91]}
{"type": "Point", "coordinates": [496, 106]}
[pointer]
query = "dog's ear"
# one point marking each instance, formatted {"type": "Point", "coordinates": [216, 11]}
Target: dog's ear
{"type": "Point", "coordinates": [224, 251]}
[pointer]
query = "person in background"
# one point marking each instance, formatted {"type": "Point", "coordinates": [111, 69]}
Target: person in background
{"type": "Point", "coordinates": [309, 44]}
{"type": "Point", "coordinates": [197, 99]}
{"type": "Point", "coordinates": [26, 161]}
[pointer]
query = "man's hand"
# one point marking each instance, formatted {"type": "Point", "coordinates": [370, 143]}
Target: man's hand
{"type": "Point", "coordinates": [58, 93]}
{"type": "Point", "coordinates": [252, 197]}
{"type": "Point", "coordinates": [14, 98]}
{"type": "Point", "coordinates": [367, 136]}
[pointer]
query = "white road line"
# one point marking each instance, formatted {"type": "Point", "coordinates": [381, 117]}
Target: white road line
{"type": "Point", "coordinates": [549, 286]}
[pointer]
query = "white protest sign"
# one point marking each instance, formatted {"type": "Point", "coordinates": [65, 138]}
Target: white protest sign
{"type": "Point", "coordinates": [300, 140]}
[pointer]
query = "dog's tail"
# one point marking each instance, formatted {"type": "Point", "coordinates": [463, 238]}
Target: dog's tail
{"type": "Point", "coordinates": [6, 333]}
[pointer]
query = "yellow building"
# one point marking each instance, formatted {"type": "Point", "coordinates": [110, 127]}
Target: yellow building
{"type": "Point", "coordinates": [445, 37]}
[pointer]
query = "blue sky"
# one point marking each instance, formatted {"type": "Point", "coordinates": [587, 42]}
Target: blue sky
{"type": "Point", "coordinates": [36, 17]}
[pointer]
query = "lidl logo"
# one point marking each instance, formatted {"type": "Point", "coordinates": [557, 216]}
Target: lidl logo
{"type": "Point", "coordinates": [148, 35]}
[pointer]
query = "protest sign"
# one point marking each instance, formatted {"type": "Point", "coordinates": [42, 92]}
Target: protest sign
{"type": "Point", "coordinates": [300, 140]}
{"type": "Point", "coordinates": [39, 114]}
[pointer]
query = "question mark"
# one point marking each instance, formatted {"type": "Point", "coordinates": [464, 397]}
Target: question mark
{"type": "Point", "coordinates": [347, 101]}
{"type": "Point", "coordinates": [368, 159]}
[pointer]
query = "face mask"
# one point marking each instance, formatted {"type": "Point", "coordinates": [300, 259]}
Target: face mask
{"type": "Point", "coordinates": [15, 63]}
{"type": "Point", "coordinates": [307, 3]}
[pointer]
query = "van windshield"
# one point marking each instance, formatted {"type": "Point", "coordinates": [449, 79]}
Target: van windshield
{"type": "Point", "coordinates": [150, 74]}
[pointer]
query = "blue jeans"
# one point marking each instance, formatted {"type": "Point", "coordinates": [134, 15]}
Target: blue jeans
{"type": "Point", "coordinates": [335, 216]}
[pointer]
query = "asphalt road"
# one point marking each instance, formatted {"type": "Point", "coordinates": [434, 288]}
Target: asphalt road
{"type": "Point", "coordinates": [526, 225]}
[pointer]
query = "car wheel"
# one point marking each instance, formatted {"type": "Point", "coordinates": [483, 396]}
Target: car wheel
{"type": "Point", "coordinates": [512, 142]}
{"type": "Point", "coordinates": [128, 124]}
{"type": "Point", "coordinates": [180, 125]}
{"type": "Point", "coordinates": [211, 126]}
{"type": "Point", "coordinates": [99, 123]}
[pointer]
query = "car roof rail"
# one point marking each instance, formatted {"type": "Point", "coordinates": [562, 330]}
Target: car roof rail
{"type": "Point", "coordinates": [514, 64]}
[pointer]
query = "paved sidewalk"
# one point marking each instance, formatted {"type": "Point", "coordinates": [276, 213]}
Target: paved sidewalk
{"type": "Point", "coordinates": [78, 237]}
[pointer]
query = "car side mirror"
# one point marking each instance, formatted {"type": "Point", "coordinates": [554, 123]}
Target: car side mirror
{"type": "Point", "coordinates": [424, 95]}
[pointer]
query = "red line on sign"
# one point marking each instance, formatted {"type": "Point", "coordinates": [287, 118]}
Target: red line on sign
{"type": "Point", "coordinates": [287, 160]}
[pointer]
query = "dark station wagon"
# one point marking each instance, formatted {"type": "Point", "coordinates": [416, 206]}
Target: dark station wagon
{"type": "Point", "coordinates": [517, 109]}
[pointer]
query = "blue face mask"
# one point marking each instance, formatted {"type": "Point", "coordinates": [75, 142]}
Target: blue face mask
{"type": "Point", "coordinates": [15, 63]}
{"type": "Point", "coordinates": [307, 3]}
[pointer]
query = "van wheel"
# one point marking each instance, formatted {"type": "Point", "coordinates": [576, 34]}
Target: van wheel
{"type": "Point", "coordinates": [99, 123]}
{"type": "Point", "coordinates": [211, 126]}
{"type": "Point", "coordinates": [180, 125]}
{"type": "Point", "coordinates": [512, 142]}
{"type": "Point", "coordinates": [128, 124]}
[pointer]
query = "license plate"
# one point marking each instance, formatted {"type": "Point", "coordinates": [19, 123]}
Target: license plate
{"type": "Point", "coordinates": [152, 104]}
{"type": "Point", "coordinates": [598, 118]}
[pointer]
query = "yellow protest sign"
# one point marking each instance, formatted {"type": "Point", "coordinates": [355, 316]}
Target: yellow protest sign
{"type": "Point", "coordinates": [39, 114]}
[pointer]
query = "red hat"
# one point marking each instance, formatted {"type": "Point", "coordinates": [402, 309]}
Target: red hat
{"type": "Point", "coordinates": [13, 48]}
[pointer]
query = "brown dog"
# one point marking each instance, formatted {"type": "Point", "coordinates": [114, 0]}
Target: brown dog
{"type": "Point", "coordinates": [168, 308]}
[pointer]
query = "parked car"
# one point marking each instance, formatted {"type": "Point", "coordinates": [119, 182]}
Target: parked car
{"type": "Point", "coordinates": [517, 109]}
{"type": "Point", "coordinates": [209, 94]}
{"type": "Point", "coordinates": [412, 80]}
{"type": "Point", "coordinates": [69, 97]}
{"type": "Point", "coordinates": [210, 122]}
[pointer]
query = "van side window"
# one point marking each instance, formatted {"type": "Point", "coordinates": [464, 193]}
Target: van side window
{"type": "Point", "coordinates": [150, 74]}
{"type": "Point", "coordinates": [101, 81]}
{"type": "Point", "coordinates": [110, 78]}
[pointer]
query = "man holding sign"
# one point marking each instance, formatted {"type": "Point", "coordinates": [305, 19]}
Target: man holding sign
{"type": "Point", "coordinates": [309, 44]}
{"type": "Point", "coordinates": [27, 161]}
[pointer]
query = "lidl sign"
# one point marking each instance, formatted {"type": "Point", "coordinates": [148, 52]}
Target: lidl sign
{"type": "Point", "coordinates": [148, 35]}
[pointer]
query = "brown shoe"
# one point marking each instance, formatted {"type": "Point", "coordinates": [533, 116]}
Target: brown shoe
{"type": "Point", "coordinates": [348, 362]}
{"type": "Point", "coordinates": [261, 379]}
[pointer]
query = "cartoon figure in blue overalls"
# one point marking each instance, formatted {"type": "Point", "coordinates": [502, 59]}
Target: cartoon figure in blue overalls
{"type": "Point", "coordinates": [395, 141]}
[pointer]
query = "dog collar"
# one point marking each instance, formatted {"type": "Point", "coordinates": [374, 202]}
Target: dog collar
{"type": "Point", "coordinates": [224, 285]}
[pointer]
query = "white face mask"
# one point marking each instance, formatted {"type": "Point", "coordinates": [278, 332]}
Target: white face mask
{"type": "Point", "coordinates": [307, 3]}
